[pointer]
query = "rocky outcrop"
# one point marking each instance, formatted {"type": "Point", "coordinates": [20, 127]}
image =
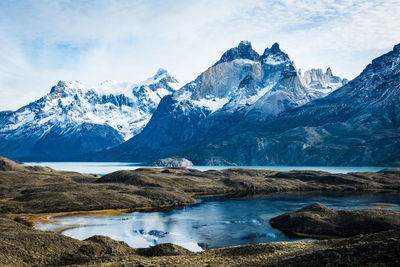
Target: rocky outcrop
{"type": "Point", "coordinates": [391, 170]}
{"type": "Point", "coordinates": [10, 165]}
{"type": "Point", "coordinates": [318, 220]}
{"type": "Point", "coordinates": [166, 249]}
{"type": "Point", "coordinates": [317, 79]}
{"type": "Point", "coordinates": [243, 51]}
{"type": "Point", "coordinates": [172, 162]}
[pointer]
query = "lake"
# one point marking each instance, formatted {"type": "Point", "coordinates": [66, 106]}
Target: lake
{"type": "Point", "coordinates": [102, 168]}
{"type": "Point", "coordinates": [212, 222]}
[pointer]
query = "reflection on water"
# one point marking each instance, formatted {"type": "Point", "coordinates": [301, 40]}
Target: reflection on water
{"type": "Point", "coordinates": [210, 223]}
{"type": "Point", "coordinates": [108, 167]}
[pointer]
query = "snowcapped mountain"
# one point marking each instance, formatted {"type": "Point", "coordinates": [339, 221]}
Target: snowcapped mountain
{"type": "Point", "coordinates": [322, 84]}
{"type": "Point", "coordinates": [73, 118]}
{"type": "Point", "coordinates": [243, 78]}
{"type": "Point", "coordinates": [243, 86]}
{"type": "Point", "coordinates": [358, 124]}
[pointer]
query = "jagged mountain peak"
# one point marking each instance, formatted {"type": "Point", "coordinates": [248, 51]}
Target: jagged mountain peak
{"type": "Point", "coordinates": [59, 87]}
{"type": "Point", "coordinates": [161, 79]}
{"type": "Point", "coordinates": [161, 74]}
{"type": "Point", "coordinates": [61, 83]}
{"type": "Point", "coordinates": [242, 80]}
{"type": "Point", "coordinates": [275, 56]}
{"type": "Point", "coordinates": [329, 71]}
{"type": "Point", "coordinates": [274, 49]}
{"type": "Point", "coordinates": [243, 51]}
{"type": "Point", "coordinates": [322, 83]}
{"type": "Point", "coordinates": [244, 45]}
{"type": "Point", "coordinates": [66, 87]}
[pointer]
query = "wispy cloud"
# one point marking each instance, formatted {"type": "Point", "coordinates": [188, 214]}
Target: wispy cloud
{"type": "Point", "coordinates": [45, 41]}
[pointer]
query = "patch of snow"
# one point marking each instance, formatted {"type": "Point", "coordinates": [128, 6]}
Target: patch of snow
{"type": "Point", "coordinates": [182, 96]}
{"type": "Point", "coordinates": [274, 60]}
{"type": "Point", "coordinates": [212, 104]}
{"type": "Point", "coordinates": [175, 86]}
{"type": "Point", "coordinates": [245, 42]}
{"type": "Point", "coordinates": [243, 61]}
{"type": "Point", "coordinates": [114, 88]}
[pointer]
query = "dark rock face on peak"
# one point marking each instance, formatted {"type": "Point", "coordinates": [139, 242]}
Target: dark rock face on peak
{"type": "Point", "coordinates": [243, 51]}
{"type": "Point", "coordinates": [59, 87]}
{"type": "Point", "coordinates": [317, 219]}
{"type": "Point", "coordinates": [274, 50]}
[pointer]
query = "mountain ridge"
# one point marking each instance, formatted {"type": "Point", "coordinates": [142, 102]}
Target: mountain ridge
{"type": "Point", "coordinates": [358, 124]}
{"type": "Point", "coordinates": [74, 119]}
{"type": "Point", "coordinates": [241, 86]}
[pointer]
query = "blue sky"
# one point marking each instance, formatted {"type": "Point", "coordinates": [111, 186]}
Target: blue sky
{"type": "Point", "coordinates": [91, 41]}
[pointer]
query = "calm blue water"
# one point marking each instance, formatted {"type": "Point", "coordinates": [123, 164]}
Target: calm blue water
{"type": "Point", "coordinates": [210, 223]}
{"type": "Point", "coordinates": [102, 168]}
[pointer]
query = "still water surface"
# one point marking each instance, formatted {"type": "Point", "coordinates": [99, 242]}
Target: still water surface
{"type": "Point", "coordinates": [212, 222]}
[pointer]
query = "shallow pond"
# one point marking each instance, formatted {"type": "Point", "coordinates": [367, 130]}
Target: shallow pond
{"type": "Point", "coordinates": [212, 222]}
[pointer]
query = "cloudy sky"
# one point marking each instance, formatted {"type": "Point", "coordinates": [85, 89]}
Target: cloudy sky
{"type": "Point", "coordinates": [42, 42]}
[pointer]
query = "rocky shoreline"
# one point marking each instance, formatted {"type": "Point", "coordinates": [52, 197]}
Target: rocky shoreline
{"type": "Point", "coordinates": [317, 220]}
{"type": "Point", "coordinates": [37, 191]}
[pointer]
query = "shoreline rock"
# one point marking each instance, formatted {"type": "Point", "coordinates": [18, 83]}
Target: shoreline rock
{"type": "Point", "coordinates": [171, 162]}
{"type": "Point", "coordinates": [318, 220]}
